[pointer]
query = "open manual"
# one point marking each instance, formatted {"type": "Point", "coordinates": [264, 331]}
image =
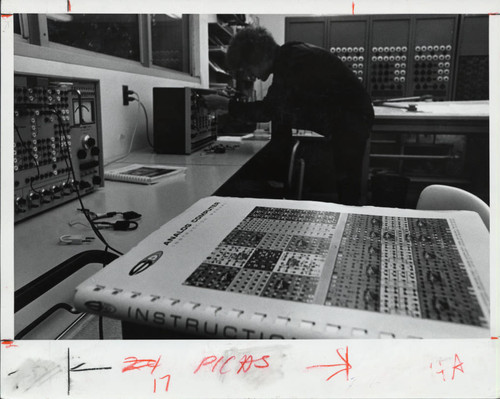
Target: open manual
{"type": "Point", "coordinates": [257, 268]}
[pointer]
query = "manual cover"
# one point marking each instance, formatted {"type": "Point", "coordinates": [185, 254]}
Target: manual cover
{"type": "Point", "coordinates": [143, 174]}
{"type": "Point", "coordinates": [257, 268]}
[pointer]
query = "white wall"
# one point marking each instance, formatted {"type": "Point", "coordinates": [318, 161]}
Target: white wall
{"type": "Point", "coordinates": [275, 24]}
{"type": "Point", "coordinates": [118, 121]}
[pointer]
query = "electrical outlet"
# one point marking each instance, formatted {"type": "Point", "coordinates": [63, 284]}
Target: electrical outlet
{"type": "Point", "coordinates": [125, 94]}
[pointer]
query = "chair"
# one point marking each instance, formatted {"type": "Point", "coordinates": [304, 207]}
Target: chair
{"type": "Point", "coordinates": [439, 197]}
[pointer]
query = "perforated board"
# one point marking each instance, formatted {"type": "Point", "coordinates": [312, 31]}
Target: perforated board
{"type": "Point", "coordinates": [273, 252]}
{"type": "Point", "coordinates": [394, 265]}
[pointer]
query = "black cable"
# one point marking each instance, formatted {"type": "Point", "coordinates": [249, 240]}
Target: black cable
{"type": "Point", "coordinates": [101, 328]}
{"type": "Point", "coordinates": [128, 215]}
{"type": "Point", "coordinates": [84, 210]}
{"type": "Point", "coordinates": [34, 159]}
{"type": "Point", "coordinates": [147, 125]}
{"type": "Point", "coordinates": [100, 320]}
{"type": "Point", "coordinates": [146, 116]}
{"type": "Point", "coordinates": [62, 153]}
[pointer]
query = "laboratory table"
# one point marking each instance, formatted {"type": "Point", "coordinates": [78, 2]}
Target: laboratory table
{"type": "Point", "coordinates": [450, 137]}
{"type": "Point", "coordinates": [37, 249]}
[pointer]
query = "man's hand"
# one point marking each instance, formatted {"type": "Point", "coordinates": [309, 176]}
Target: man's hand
{"type": "Point", "coordinates": [216, 102]}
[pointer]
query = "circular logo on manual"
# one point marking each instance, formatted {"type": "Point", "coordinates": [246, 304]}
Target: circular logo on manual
{"type": "Point", "coordinates": [146, 263]}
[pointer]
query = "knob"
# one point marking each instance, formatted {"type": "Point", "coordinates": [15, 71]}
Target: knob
{"type": "Point", "coordinates": [56, 191]}
{"type": "Point", "coordinates": [34, 200]}
{"type": "Point", "coordinates": [46, 196]}
{"type": "Point", "coordinates": [20, 205]}
{"type": "Point", "coordinates": [84, 185]}
{"type": "Point", "coordinates": [67, 188]}
{"type": "Point", "coordinates": [96, 180]}
{"type": "Point", "coordinates": [88, 141]}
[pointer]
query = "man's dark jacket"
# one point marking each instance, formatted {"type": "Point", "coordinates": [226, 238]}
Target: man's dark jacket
{"type": "Point", "coordinates": [312, 89]}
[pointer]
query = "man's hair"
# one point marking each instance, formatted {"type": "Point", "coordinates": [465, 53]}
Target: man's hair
{"type": "Point", "coordinates": [249, 46]}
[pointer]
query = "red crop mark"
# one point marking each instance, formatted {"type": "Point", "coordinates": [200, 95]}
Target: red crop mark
{"type": "Point", "coordinates": [494, 337]}
{"type": "Point", "coordinates": [137, 364]}
{"type": "Point", "coordinates": [346, 364]}
{"type": "Point", "coordinates": [9, 344]}
{"type": "Point", "coordinates": [69, 6]}
{"type": "Point", "coordinates": [353, 8]}
{"type": "Point", "coordinates": [6, 15]}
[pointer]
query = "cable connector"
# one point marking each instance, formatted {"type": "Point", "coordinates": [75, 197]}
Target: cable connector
{"type": "Point", "coordinates": [124, 225]}
{"type": "Point", "coordinates": [69, 239]}
{"type": "Point", "coordinates": [120, 225]}
{"type": "Point", "coordinates": [126, 95]}
{"type": "Point", "coordinates": [97, 216]}
{"type": "Point", "coordinates": [131, 215]}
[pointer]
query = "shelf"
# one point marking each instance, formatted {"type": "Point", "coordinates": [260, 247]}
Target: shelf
{"type": "Point", "coordinates": [218, 85]}
{"type": "Point", "coordinates": [220, 34]}
{"type": "Point", "coordinates": [217, 31]}
{"type": "Point", "coordinates": [438, 180]}
{"type": "Point", "coordinates": [407, 156]}
{"type": "Point", "coordinates": [232, 19]}
{"type": "Point", "coordinates": [217, 49]}
{"type": "Point", "coordinates": [217, 68]}
{"type": "Point", "coordinates": [434, 180]}
{"type": "Point", "coordinates": [383, 142]}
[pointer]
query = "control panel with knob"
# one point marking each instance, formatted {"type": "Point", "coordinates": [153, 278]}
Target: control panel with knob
{"type": "Point", "coordinates": [56, 120]}
{"type": "Point", "coordinates": [189, 126]}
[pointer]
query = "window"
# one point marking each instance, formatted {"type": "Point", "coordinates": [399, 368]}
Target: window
{"type": "Point", "coordinates": [152, 44]}
{"type": "Point", "coordinates": [169, 39]}
{"type": "Point", "coordinates": [111, 34]}
{"type": "Point", "coordinates": [21, 26]}
{"type": "Point", "coordinates": [17, 24]}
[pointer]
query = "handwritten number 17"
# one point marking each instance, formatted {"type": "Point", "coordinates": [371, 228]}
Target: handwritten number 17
{"type": "Point", "coordinates": [161, 378]}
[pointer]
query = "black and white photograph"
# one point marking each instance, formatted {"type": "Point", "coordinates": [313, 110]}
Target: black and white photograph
{"type": "Point", "coordinates": [277, 176]}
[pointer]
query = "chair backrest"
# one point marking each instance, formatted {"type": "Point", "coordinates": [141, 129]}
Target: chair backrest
{"type": "Point", "coordinates": [439, 197]}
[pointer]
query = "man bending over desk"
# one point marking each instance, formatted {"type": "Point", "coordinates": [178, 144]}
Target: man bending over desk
{"type": "Point", "coordinates": [311, 89]}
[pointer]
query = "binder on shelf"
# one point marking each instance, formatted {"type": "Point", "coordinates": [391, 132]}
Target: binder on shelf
{"type": "Point", "coordinates": [257, 268]}
{"type": "Point", "coordinates": [143, 174]}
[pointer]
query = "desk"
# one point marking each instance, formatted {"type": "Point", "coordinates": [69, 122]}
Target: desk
{"type": "Point", "coordinates": [36, 240]}
{"type": "Point", "coordinates": [453, 117]}
{"type": "Point", "coordinates": [459, 130]}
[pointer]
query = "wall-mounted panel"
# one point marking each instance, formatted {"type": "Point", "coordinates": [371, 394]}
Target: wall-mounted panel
{"type": "Point", "coordinates": [310, 30]}
{"type": "Point", "coordinates": [472, 69]}
{"type": "Point", "coordinates": [389, 53]}
{"type": "Point", "coordinates": [434, 46]}
{"type": "Point", "coordinates": [445, 56]}
{"type": "Point", "coordinates": [348, 39]}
